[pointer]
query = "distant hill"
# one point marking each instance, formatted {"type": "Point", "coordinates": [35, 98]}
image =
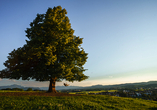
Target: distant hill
{"type": "Point", "coordinates": [18, 86]}
{"type": "Point", "coordinates": [38, 88]}
{"type": "Point", "coordinates": [150, 84]}
{"type": "Point", "coordinates": [62, 87]}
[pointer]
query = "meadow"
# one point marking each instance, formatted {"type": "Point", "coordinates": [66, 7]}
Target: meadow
{"type": "Point", "coordinates": [86, 92]}
{"type": "Point", "coordinates": [83, 102]}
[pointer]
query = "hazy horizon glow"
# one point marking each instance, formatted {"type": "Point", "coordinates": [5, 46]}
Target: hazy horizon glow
{"type": "Point", "coordinates": [120, 37]}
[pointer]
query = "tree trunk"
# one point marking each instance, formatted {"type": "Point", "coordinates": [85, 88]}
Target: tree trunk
{"type": "Point", "coordinates": [52, 85]}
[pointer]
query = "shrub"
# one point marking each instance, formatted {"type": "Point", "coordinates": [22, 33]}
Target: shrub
{"type": "Point", "coordinates": [29, 89]}
{"type": "Point", "coordinates": [17, 89]}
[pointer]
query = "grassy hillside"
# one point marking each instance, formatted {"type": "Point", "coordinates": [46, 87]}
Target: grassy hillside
{"type": "Point", "coordinates": [85, 102]}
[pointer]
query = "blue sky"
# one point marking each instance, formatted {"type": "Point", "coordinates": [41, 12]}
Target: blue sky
{"type": "Point", "coordinates": [119, 36]}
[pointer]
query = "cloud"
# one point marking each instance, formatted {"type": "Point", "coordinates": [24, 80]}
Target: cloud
{"type": "Point", "coordinates": [12, 80]}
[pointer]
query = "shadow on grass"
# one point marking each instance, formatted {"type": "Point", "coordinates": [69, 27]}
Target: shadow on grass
{"type": "Point", "coordinates": [153, 108]}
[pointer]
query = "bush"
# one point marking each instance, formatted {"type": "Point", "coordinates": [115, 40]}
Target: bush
{"type": "Point", "coordinates": [17, 89]}
{"type": "Point", "coordinates": [122, 94]}
{"type": "Point", "coordinates": [29, 89]}
{"type": "Point", "coordinates": [36, 90]}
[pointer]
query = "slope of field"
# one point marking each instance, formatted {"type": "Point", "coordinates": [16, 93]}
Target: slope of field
{"type": "Point", "coordinates": [84, 102]}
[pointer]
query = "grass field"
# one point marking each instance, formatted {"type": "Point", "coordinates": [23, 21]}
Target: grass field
{"type": "Point", "coordinates": [1, 91]}
{"type": "Point", "coordinates": [84, 102]}
{"type": "Point", "coordinates": [86, 92]}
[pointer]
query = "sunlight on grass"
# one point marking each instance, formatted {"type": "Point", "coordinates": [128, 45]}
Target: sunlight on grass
{"type": "Point", "coordinates": [85, 102]}
{"type": "Point", "coordinates": [86, 92]}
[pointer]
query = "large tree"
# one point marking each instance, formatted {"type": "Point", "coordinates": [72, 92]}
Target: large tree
{"type": "Point", "coordinates": [52, 52]}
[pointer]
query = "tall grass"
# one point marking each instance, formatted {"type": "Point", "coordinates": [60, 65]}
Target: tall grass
{"type": "Point", "coordinates": [86, 102]}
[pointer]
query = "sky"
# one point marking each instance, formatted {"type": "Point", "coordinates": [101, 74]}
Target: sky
{"type": "Point", "coordinates": [118, 35]}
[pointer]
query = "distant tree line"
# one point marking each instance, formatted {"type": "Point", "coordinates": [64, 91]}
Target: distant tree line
{"type": "Point", "coordinates": [19, 89]}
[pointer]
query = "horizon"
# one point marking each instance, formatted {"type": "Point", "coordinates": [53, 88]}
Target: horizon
{"type": "Point", "coordinates": [86, 86]}
{"type": "Point", "coordinates": [119, 37]}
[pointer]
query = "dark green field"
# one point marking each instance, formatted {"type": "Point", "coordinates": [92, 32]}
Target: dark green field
{"type": "Point", "coordinates": [84, 102]}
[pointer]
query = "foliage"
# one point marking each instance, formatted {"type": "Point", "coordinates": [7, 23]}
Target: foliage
{"type": "Point", "coordinates": [122, 94]}
{"type": "Point", "coordinates": [29, 89]}
{"type": "Point", "coordinates": [13, 89]}
{"type": "Point", "coordinates": [51, 53]}
{"type": "Point", "coordinates": [90, 102]}
{"type": "Point", "coordinates": [17, 89]}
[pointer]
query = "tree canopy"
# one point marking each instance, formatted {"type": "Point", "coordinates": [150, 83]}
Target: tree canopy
{"type": "Point", "coordinates": [52, 53]}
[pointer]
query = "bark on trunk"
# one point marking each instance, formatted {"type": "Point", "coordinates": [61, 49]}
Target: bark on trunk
{"type": "Point", "coordinates": [52, 85]}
